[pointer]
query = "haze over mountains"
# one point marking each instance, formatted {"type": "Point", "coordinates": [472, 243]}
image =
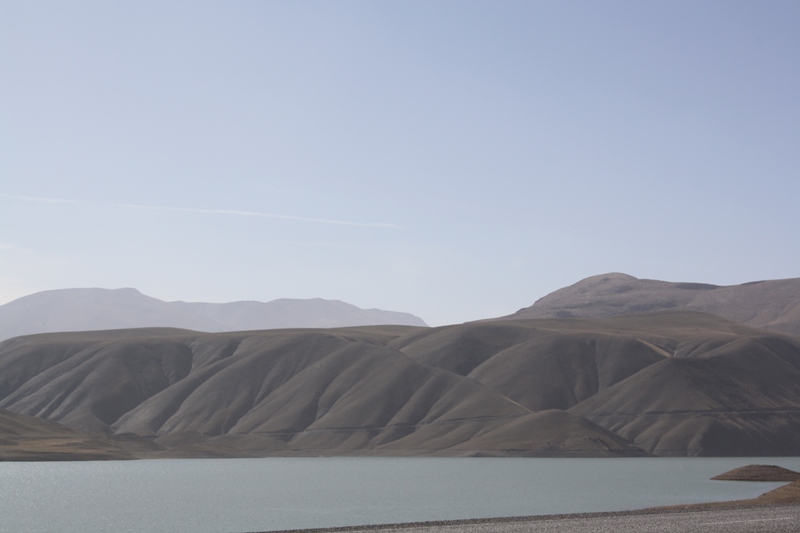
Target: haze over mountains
{"type": "Point", "coordinates": [99, 309]}
{"type": "Point", "coordinates": [667, 382]}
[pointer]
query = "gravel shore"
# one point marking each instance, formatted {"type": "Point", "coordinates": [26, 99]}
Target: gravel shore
{"type": "Point", "coordinates": [732, 517]}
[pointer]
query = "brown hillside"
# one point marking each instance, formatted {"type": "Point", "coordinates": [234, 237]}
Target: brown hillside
{"type": "Point", "coordinates": [670, 383]}
{"type": "Point", "coordinates": [25, 438]}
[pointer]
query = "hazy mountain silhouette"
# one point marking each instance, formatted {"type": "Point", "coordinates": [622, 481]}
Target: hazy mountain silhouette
{"type": "Point", "coordinates": [668, 383]}
{"type": "Point", "coordinates": [96, 309]}
{"type": "Point", "coordinates": [772, 305]}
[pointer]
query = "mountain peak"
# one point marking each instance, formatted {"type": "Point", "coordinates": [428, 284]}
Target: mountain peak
{"type": "Point", "coordinates": [770, 304]}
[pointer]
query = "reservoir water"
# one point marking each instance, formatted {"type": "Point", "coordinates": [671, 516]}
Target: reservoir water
{"type": "Point", "coordinates": [243, 495]}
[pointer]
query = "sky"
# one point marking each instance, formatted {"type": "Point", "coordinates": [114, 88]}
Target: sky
{"type": "Point", "coordinates": [456, 160]}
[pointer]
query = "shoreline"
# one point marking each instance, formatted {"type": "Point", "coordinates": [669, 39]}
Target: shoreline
{"type": "Point", "coordinates": [433, 525]}
{"type": "Point", "coordinates": [785, 497]}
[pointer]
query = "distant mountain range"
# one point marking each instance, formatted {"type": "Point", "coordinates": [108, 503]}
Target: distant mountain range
{"type": "Point", "coordinates": [670, 381]}
{"type": "Point", "coordinates": [101, 309]}
{"type": "Point", "coordinates": [772, 305]}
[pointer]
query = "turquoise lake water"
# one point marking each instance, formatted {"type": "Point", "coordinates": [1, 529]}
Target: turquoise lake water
{"type": "Point", "coordinates": [244, 495]}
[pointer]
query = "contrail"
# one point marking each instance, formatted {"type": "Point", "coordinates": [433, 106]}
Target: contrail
{"type": "Point", "coordinates": [229, 212]}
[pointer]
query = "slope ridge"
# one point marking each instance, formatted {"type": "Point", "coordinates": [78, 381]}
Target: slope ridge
{"type": "Point", "coordinates": [722, 396]}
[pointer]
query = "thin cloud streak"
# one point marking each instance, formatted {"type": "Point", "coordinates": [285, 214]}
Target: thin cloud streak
{"type": "Point", "coordinates": [229, 212]}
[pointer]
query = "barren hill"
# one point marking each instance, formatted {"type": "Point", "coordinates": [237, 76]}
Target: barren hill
{"type": "Point", "coordinates": [96, 309]}
{"type": "Point", "coordinates": [25, 438]}
{"type": "Point", "coordinates": [670, 383]}
{"type": "Point", "coordinates": [771, 305]}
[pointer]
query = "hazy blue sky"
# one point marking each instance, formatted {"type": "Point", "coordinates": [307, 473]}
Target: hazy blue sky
{"type": "Point", "coordinates": [452, 159]}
